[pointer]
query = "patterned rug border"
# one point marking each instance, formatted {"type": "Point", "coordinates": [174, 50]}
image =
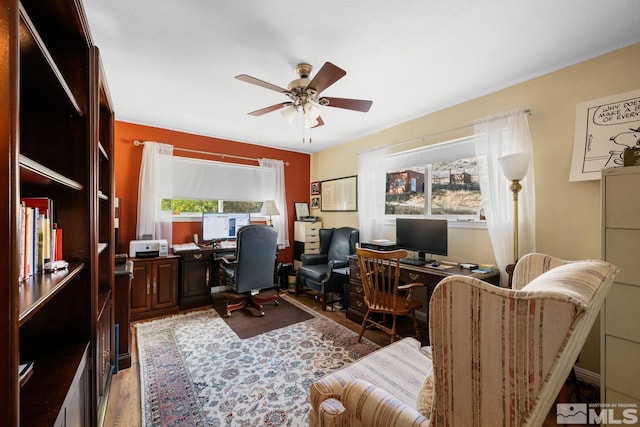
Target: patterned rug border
{"type": "Point", "coordinates": [190, 411]}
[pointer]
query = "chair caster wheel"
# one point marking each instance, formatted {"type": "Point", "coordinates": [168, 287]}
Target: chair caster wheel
{"type": "Point", "coordinates": [276, 302]}
{"type": "Point", "coordinates": [262, 314]}
{"type": "Point", "coordinates": [228, 314]}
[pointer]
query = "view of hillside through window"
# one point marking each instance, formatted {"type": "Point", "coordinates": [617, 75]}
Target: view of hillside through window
{"type": "Point", "coordinates": [183, 206]}
{"type": "Point", "coordinates": [452, 188]}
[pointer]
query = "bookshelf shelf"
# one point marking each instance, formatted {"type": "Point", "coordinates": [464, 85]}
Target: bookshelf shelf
{"type": "Point", "coordinates": [37, 290]}
{"type": "Point", "coordinates": [53, 373]}
{"type": "Point", "coordinates": [33, 172]}
{"type": "Point", "coordinates": [37, 58]}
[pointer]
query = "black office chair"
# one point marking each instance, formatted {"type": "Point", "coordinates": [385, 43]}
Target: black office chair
{"type": "Point", "coordinates": [317, 270]}
{"type": "Point", "coordinates": [252, 268]}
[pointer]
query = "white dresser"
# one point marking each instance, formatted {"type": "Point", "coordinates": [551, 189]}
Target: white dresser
{"type": "Point", "coordinates": [620, 317]}
{"type": "Point", "coordinates": [306, 240]}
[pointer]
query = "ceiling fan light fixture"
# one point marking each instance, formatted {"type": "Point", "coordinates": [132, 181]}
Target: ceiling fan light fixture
{"type": "Point", "coordinates": [311, 110]}
{"type": "Point", "coordinates": [289, 113]}
{"type": "Point", "coordinates": [310, 121]}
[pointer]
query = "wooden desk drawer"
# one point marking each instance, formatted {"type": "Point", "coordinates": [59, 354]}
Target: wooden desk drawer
{"type": "Point", "coordinates": [355, 287]}
{"type": "Point", "coordinates": [356, 303]}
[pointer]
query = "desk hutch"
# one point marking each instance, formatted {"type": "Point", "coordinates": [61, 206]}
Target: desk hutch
{"type": "Point", "coordinates": [57, 136]}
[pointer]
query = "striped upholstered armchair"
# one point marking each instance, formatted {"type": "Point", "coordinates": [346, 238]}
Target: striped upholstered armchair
{"type": "Point", "coordinates": [498, 356]}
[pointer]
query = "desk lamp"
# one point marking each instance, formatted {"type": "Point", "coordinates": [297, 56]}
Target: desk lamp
{"type": "Point", "coordinates": [269, 208]}
{"type": "Point", "coordinates": [514, 167]}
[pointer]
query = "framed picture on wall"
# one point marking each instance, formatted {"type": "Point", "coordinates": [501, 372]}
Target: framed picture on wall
{"type": "Point", "coordinates": [315, 202]}
{"type": "Point", "coordinates": [339, 195]}
{"type": "Point", "coordinates": [315, 188]}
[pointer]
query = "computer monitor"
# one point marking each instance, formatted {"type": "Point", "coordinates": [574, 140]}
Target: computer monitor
{"type": "Point", "coordinates": [424, 235]}
{"type": "Point", "coordinates": [222, 226]}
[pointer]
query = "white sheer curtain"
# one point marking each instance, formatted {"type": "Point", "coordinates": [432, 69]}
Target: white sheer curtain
{"type": "Point", "coordinates": [497, 136]}
{"type": "Point", "coordinates": [156, 183]}
{"type": "Point", "coordinates": [279, 222]}
{"type": "Point", "coordinates": [371, 185]}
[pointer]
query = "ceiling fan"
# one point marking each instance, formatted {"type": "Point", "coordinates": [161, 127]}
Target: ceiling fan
{"type": "Point", "coordinates": [304, 94]}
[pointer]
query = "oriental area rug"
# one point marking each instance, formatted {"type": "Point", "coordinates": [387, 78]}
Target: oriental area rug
{"type": "Point", "coordinates": [195, 371]}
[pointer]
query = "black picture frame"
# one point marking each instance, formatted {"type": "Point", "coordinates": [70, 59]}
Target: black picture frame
{"type": "Point", "coordinates": [339, 194]}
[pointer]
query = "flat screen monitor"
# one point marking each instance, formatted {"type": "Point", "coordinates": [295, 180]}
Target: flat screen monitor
{"type": "Point", "coordinates": [222, 226]}
{"type": "Point", "coordinates": [424, 235]}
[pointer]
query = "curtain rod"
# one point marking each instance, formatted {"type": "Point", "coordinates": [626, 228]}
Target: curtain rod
{"type": "Point", "coordinates": [526, 110]}
{"type": "Point", "coordinates": [210, 153]}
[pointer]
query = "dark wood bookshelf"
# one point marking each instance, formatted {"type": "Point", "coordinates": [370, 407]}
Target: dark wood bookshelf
{"type": "Point", "coordinates": [57, 131]}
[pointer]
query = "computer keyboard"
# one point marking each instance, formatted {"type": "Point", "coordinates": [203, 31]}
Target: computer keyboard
{"type": "Point", "coordinates": [411, 261]}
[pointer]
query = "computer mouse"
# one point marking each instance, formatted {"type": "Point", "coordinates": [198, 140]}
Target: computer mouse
{"type": "Point", "coordinates": [435, 264]}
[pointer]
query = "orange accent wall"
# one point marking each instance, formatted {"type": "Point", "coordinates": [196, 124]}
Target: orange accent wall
{"type": "Point", "coordinates": [127, 171]}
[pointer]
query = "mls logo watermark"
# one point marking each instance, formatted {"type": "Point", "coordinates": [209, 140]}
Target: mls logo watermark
{"type": "Point", "coordinates": [595, 413]}
{"type": "Point", "coordinates": [571, 413]}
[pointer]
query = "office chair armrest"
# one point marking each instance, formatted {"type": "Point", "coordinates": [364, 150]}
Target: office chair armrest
{"type": "Point", "coordinates": [312, 259]}
{"type": "Point", "coordinates": [229, 259]}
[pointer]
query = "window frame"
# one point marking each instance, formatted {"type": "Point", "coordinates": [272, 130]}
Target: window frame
{"type": "Point", "coordinates": [460, 148]}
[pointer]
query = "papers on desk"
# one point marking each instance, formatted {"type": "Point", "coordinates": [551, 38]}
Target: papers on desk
{"type": "Point", "coordinates": [181, 247]}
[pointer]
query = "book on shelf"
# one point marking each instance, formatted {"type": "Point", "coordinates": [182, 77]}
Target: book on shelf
{"type": "Point", "coordinates": [39, 238]}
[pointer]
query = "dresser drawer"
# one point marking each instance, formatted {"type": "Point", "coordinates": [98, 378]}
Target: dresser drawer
{"type": "Point", "coordinates": [309, 246]}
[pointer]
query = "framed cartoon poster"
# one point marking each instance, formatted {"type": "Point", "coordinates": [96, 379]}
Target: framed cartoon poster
{"type": "Point", "coordinates": [605, 127]}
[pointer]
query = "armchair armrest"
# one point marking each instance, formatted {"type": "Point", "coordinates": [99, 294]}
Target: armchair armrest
{"type": "Point", "coordinates": [313, 259]}
{"type": "Point", "coordinates": [372, 406]}
{"type": "Point", "coordinates": [410, 287]}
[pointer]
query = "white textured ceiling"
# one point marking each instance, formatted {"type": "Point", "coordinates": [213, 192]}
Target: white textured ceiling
{"type": "Point", "coordinates": [171, 64]}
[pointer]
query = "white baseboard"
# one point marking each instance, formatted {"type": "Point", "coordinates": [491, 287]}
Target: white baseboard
{"type": "Point", "coordinates": [587, 376]}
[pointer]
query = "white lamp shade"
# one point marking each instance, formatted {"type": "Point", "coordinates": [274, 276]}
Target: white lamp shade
{"type": "Point", "coordinates": [269, 208]}
{"type": "Point", "coordinates": [514, 166]}
{"type": "Point", "coordinates": [289, 113]}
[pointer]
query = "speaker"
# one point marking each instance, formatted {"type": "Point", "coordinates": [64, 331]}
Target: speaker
{"type": "Point", "coordinates": [195, 238]}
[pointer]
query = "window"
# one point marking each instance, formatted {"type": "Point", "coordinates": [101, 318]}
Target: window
{"type": "Point", "coordinates": [191, 208]}
{"type": "Point", "coordinates": [436, 181]}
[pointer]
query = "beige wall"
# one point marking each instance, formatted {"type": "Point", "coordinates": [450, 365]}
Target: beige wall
{"type": "Point", "coordinates": [567, 213]}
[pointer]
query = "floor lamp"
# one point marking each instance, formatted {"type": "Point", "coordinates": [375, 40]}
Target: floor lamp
{"type": "Point", "coordinates": [514, 167]}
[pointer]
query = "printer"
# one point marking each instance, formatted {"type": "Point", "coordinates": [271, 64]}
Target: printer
{"type": "Point", "coordinates": [148, 248]}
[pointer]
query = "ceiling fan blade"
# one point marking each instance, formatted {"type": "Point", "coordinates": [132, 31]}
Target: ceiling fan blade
{"type": "Point", "coordinates": [320, 122]}
{"type": "Point", "coordinates": [347, 104]}
{"type": "Point", "coordinates": [328, 75]}
{"type": "Point", "coordinates": [269, 109]}
{"type": "Point", "coordinates": [261, 83]}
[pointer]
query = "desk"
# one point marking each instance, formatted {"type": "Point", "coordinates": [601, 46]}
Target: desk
{"type": "Point", "coordinates": [357, 308]}
{"type": "Point", "coordinates": [198, 274]}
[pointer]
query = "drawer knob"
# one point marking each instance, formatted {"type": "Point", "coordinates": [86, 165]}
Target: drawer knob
{"type": "Point", "coordinates": [197, 256]}
{"type": "Point", "coordinates": [414, 276]}
{"type": "Point", "coordinates": [359, 289]}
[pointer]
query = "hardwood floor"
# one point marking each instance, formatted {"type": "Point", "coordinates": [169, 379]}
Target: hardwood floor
{"type": "Point", "coordinates": [123, 408]}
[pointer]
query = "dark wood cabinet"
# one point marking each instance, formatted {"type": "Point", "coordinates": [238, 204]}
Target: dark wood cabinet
{"type": "Point", "coordinates": [154, 287]}
{"type": "Point", "coordinates": [56, 135]}
{"type": "Point", "coordinates": [196, 268]}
